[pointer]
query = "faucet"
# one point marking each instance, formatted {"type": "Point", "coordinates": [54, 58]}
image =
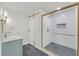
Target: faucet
{"type": "Point", "coordinates": [6, 34]}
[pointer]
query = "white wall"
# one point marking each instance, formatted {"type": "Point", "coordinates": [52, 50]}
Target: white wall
{"type": "Point", "coordinates": [67, 16]}
{"type": "Point", "coordinates": [37, 29]}
{"type": "Point", "coordinates": [38, 42]}
{"type": "Point", "coordinates": [17, 24]}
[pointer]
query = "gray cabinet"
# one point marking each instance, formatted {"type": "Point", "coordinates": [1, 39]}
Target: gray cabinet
{"type": "Point", "coordinates": [12, 48]}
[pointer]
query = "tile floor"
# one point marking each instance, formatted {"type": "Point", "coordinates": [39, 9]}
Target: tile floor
{"type": "Point", "coordinates": [60, 50]}
{"type": "Point", "coordinates": [29, 50]}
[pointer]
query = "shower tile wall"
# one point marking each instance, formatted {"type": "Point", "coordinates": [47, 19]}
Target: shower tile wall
{"type": "Point", "coordinates": [68, 17]}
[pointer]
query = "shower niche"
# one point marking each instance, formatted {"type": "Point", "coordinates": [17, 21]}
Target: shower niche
{"type": "Point", "coordinates": [61, 26]}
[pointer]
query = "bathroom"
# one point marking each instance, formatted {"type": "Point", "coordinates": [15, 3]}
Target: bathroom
{"type": "Point", "coordinates": [27, 28]}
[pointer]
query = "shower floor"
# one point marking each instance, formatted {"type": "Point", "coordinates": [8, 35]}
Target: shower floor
{"type": "Point", "coordinates": [60, 50]}
{"type": "Point", "coordinates": [29, 50]}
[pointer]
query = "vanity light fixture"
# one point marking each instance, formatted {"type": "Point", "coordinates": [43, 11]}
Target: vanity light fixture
{"type": "Point", "coordinates": [3, 18]}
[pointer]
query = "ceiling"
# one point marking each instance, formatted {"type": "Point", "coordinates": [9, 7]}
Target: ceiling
{"type": "Point", "coordinates": [29, 7]}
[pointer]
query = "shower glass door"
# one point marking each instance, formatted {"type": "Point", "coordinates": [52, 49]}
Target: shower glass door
{"type": "Point", "coordinates": [60, 32]}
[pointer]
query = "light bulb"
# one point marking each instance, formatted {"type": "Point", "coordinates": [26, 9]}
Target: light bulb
{"type": "Point", "coordinates": [1, 11]}
{"type": "Point", "coordinates": [8, 20]}
{"type": "Point", "coordinates": [58, 8]}
{"type": "Point", "coordinates": [5, 13]}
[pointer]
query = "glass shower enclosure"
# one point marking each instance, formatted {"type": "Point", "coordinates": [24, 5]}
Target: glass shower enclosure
{"type": "Point", "coordinates": [59, 35]}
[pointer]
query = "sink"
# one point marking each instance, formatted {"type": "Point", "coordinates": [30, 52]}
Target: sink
{"type": "Point", "coordinates": [11, 38]}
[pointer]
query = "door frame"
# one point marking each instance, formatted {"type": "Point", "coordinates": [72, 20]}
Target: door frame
{"type": "Point", "coordinates": [51, 12]}
{"type": "Point", "coordinates": [32, 29]}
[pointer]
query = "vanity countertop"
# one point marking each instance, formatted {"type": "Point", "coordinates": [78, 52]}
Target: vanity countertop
{"type": "Point", "coordinates": [11, 38]}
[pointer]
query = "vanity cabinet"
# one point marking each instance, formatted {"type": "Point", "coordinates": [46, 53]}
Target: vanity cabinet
{"type": "Point", "coordinates": [12, 48]}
